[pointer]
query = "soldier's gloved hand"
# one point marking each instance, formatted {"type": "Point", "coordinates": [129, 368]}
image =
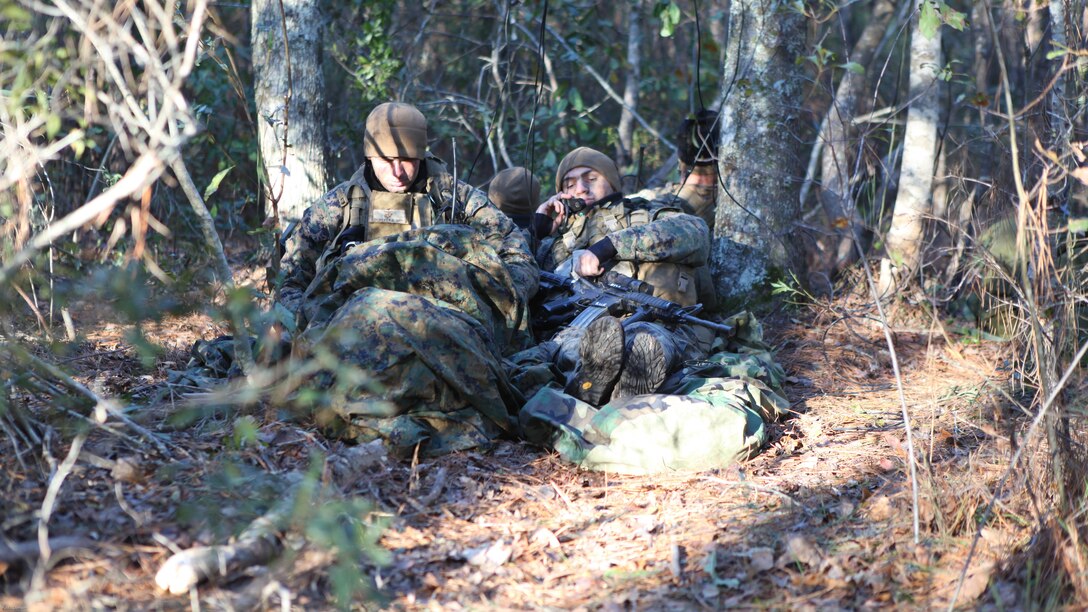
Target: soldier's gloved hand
{"type": "Point", "coordinates": [586, 264]}
{"type": "Point", "coordinates": [554, 208]}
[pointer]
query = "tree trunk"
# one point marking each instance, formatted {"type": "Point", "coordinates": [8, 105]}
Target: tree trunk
{"type": "Point", "coordinates": [626, 129]}
{"type": "Point", "coordinates": [759, 161]}
{"type": "Point", "coordinates": [1058, 115]}
{"type": "Point", "coordinates": [981, 38]}
{"type": "Point", "coordinates": [837, 164]}
{"type": "Point", "coordinates": [913, 204]}
{"type": "Point", "coordinates": [289, 90]}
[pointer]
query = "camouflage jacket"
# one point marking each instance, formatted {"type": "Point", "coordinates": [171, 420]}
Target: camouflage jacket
{"type": "Point", "coordinates": [324, 221]}
{"type": "Point", "coordinates": [640, 231]}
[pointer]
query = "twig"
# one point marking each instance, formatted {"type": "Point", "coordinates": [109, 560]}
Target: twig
{"type": "Point", "coordinates": [754, 487]}
{"type": "Point", "coordinates": [21, 551]}
{"type": "Point", "coordinates": [55, 483]}
{"type": "Point", "coordinates": [899, 389]}
{"type": "Point", "coordinates": [102, 168]}
{"type": "Point", "coordinates": [102, 407]}
{"type": "Point", "coordinates": [436, 488]}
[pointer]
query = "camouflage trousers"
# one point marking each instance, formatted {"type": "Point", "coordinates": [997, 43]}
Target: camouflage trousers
{"type": "Point", "coordinates": [405, 369]}
{"type": "Point", "coordinates": [409, 333]}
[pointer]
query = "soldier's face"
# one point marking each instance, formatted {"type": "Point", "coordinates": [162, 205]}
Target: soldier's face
{"type": "Point", "coordinates": [395, 173]}
{"type": "Point", "coordinates": [586, 183]}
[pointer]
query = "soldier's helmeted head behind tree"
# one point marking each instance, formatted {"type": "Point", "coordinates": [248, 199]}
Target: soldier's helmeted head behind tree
{"type": "Point", "coordinates": [697, 152]}
{"type": "Point", "coordinates": [517, 193]}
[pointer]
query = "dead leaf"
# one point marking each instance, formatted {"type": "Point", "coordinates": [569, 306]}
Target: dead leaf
{"type": "Point", "coordinates": [1081, 174]}
{"type": "Point", "coordinates": [974, 585]}
{"type": "Point", "coordinates": [127, 470]}
{"type": "Point", "coordinates": [800, 549]}
{"type": "Point", "coordinates": [491, 556]}
{"type": "Point", "coordinates": [880, 507]}
{"type": "Point", "coordinates": [762, 558]}
{"type": "Point", "coordinates": [545, 537]}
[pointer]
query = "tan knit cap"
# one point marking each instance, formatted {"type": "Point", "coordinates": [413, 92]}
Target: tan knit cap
{"type": "Point", "coordinates": [515, 191]}
{"type": "Point", "coordinates": [395, 129]}
{"type": "Point", "coordinates": [590, 158]}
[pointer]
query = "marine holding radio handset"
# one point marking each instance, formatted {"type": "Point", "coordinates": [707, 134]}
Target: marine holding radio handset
{"type": "Point", "coordinates": [584, 183]}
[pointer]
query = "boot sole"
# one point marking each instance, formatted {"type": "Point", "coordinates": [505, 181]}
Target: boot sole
{"type": "Point", "coordinates": [645, 370]}
{"type": "Point", "coordinates": [601, 354]}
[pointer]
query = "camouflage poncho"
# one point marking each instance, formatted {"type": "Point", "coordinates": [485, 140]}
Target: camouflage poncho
{"type": "Point", "coordinates": [419, 320]}
{"type": "Point", "coordinates": [324, 220]}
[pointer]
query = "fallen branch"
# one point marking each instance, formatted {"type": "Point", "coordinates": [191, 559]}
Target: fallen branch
{"type": "Point", "coordinates": [257, 544]}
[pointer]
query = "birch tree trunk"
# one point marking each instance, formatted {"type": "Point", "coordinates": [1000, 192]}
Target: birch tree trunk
{"type": "Point", "coordinates": [838, 158]}
{"type": "Point", "coordinates": [626, 129]}
{"type": "Point", "coordinates": [289, 90]}
{"type": "Point", "coordinates": [759, 160]}
{"type": "Point", "coordinates": [913, 203]}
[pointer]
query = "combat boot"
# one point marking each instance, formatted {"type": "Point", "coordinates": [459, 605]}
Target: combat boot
{"type": "Point", "coordinates": [601, 359]}
{"type": "Point", "coordinates": [646, 368]}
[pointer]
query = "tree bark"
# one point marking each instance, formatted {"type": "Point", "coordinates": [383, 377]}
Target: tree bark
{"type": "Point", "coordinates": [913, 203]}
{"type": "Point", "coordinates": [289, 90]}
{"type": "Point", "coordinates": [1057, 114]}
{"type": "Point", "coordinates": [626, 129]}
{"type": "Point", "coordinates": [759, 159]}
{"type": "Point", "coordinates": [839, 143]}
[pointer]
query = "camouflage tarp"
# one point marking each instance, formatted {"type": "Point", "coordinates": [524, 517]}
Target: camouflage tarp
{"type": "Point", "coordinates": [420, 319]}
{"type": "Point", "coordinates": [714, 414]}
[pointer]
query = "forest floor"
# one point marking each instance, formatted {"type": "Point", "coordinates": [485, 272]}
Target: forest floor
{"type": "Point", "coordinates": [822, 518]}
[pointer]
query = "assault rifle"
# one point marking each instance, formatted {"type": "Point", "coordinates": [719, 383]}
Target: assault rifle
{"type": "Point", "coordinates": [577, 302]}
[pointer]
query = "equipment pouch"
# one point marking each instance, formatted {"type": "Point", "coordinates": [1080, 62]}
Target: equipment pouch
{"type": "Point", "coordinates": [673, 282]}
{"type": "Point", "coordinates": [393, 213]}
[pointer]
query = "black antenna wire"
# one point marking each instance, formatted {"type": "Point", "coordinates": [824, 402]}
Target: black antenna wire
{"type": "Point", "coordinates": [530, 143]}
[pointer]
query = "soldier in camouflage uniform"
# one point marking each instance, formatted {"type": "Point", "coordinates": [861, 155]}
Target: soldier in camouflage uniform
{"type": "Point", "coordinates": [408, 286]}
{"type": "Point", "coordinates": [595, 227]}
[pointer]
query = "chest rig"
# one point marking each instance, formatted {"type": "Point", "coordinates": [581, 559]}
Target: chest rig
{"type": "Point", "coordinates": [374, 214]}
{"type": "Point", "coordinates": [673, 282]}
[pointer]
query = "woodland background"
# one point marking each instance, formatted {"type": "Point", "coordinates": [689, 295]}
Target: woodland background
{"type": "Point", "coordinates": [908, 168]}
